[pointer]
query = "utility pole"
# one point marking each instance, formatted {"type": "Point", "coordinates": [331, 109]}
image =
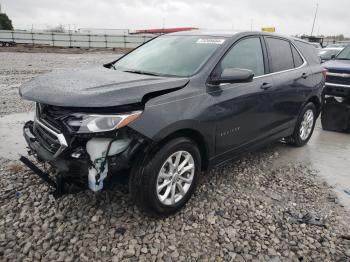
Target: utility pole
{"type": "Point", "coordinates": [313, 24]}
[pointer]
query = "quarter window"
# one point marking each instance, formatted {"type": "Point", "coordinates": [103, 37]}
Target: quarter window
{"type": "Point", "coordinates": [246, 54]}
{"type": "Point", "coordinates": [280, 54]}
{"type": "Point", "coordinates": [298, 61]}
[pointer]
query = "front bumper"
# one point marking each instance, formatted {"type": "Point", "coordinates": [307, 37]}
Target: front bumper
{"type": "Point", "coordinates": [73, 163]}
{"type": "Point", "coordinates": [336, 89]}
{"type": "Point", "coordinates": [35, 148]}
{"type": "Point", "coordinates": [68, 174]}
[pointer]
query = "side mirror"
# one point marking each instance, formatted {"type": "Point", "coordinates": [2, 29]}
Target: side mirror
{"type": "Point", "coordinates": [233, 75]}
{"type": "Point", "coordinates": [332, 57]}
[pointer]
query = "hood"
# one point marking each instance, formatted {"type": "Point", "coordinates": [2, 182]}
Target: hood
{"type": "Point", "coordinates": [338, 66]}
{"type": "Point", "coordinates": [96, 87]}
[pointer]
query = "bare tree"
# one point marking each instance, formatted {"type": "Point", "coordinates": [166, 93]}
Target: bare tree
{"type": "Point", "coordinates": [57, 29]}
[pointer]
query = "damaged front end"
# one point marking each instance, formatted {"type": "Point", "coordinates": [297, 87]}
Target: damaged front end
{"type": "Point", "coordinates": [84, 148]}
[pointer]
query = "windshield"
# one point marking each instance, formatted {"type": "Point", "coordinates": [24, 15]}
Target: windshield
{"type": "Point", "coordinates": [170, 55]}
{"type": "Point", "coordinates": [345, 54]}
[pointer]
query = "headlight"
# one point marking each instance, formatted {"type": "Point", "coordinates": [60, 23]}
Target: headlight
{"type": "Point", "coordinates": [85, 123]}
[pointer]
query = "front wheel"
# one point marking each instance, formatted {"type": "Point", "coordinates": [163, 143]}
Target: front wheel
{"type": "Point", "coordinates": [162, 184]}
{"type": "Point", "coordinates": [304, 127]}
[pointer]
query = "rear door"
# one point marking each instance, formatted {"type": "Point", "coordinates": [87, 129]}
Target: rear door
{"type": "Point", "coordinates": [291, 74]}
{"type": "Point", "coordinates": [242, 109]}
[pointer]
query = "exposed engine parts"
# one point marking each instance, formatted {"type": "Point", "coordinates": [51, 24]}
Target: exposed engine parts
{"type": "Point", "coordinates": [98, 150]}
{"type": "Point", "coordinates": [86, 159]}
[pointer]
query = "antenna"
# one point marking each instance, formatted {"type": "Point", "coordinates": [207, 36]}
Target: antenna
{"type": "Point", "coordinates": [313, 24]}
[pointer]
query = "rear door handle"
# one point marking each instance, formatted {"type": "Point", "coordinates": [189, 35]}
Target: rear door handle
{"type": "Point", "coordinates": [304, 75]}
{"type": "Point", "coordinates": [266, 86]}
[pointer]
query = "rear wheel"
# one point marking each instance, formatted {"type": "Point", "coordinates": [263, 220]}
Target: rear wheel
{"type": "Point", "coordinates": [162, 184]}
{"type": "Point", "coordinates": [304, 127]}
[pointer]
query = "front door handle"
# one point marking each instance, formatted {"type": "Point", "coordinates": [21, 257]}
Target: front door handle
{"type": "Point", "coordinates": [304, 75]}
{"type": "Point", "coordinates": [266, 86]}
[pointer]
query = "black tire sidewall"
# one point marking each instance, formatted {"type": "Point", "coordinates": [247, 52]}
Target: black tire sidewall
{"type": "Point", "coordinates": [149, 175]}
{"type": "Point", "coordinates": [297, 141]}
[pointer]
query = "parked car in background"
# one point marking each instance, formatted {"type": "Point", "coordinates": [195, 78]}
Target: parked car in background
{"type": "Point", "coordinates": [318, 46]}
{"type": "Point", "coordinates": [328, 53]}
{"type": "Point", "coordinates": [7, 43]}
{"type": "Point", "coordinates": [338, 75]}
{"type": "Point", "coordinates": [179, 104]}
{"type": "Point", "coordinates": [336, 46]}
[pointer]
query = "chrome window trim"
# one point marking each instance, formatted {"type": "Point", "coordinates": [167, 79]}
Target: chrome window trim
{"type": "Point", "coordinates": [280, 72]}
{"type": "Point", "coordinates": [334, 84]}
{"type": "Point", "coordinates": [305, 63]}
{"type": "Point", "coordinates": [288, 70]}
{"type": "Point", "coordinates": [62, 140]}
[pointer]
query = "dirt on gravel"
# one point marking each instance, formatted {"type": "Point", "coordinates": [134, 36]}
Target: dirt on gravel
{"type": "Point", "coordinates": [17, 68]}
{"type": "Point", "coordinates": [28, 48]}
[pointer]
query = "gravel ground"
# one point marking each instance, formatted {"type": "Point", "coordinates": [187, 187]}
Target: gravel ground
{"type": "Point", "coordinates": [17, 68]}
{"type": "Point", "coordinates": [243, 211]}
{"type": "Point", "coordinates": [248, 210]}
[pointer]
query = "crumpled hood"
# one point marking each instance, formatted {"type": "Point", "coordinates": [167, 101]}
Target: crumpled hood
{"type": "Point", "coordinates": [95, 87]}
{"type": "Point", "coordinates": [339, 66]}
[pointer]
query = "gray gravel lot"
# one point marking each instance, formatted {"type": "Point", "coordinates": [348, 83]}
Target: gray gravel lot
{"type": "Point", "coordinates": [248, 210]}
{"type": "Point", "coordinates": [243, 211]}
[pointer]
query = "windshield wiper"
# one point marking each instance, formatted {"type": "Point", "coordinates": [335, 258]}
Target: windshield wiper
{"type": "Point", "coordinates": [342, 58]}
{"type": "Point", "coordinates": [141, 72]}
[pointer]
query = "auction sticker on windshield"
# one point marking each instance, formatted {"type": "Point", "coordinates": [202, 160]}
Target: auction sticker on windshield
{"type": "Point", "coordinates": [215, 41]}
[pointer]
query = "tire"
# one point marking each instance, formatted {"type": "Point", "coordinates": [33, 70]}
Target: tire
{"type": "Point", "coordinates": [298, 138]}
{"type": "Point", "coordinates": [145, 178]}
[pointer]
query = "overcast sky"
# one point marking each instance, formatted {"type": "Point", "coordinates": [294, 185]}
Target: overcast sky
{"type": "Point", "coordinates": [289, 17]}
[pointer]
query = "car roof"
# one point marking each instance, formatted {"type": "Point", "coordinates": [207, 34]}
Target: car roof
{"type": "Point", "coordinates": [219, 33]}
{"type": "Point", "coordinates": [333, 48]}
{"type": "Point", "coordinates": [228, 33]}
{"type": "Point", "coordinates": [334, 45]}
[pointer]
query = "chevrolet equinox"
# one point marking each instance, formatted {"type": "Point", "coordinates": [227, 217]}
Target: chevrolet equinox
{"type": "Point", "coordinates": [176, 105]}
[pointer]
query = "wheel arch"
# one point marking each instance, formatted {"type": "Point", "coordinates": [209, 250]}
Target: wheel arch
{"type": "Point", "coordinates": [316, 101]}
{"type": "Point", "coordinates": [194, 135]}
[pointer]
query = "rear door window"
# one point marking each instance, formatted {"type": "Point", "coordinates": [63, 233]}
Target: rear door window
{"type": "Point", "coordinates": [280, 54]}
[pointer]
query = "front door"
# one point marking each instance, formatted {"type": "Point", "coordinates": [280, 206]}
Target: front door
{"type": "Point", "coordinates": [242, 109]}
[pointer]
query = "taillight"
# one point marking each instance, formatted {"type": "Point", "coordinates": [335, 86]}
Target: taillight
{"type": "Point", "coordinates": [324, 72]}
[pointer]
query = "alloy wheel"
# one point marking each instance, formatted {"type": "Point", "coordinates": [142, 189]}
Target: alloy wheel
{"type": "Point", "coordinates": [175, 177]}
{"type": "Point", "coordinates": [306, 124]}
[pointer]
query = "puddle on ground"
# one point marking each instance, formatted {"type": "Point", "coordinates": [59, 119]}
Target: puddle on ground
{"type": "Point", "coordinates": [11, 135]}
{"type": "Point", "coordinates": [329, 153]}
